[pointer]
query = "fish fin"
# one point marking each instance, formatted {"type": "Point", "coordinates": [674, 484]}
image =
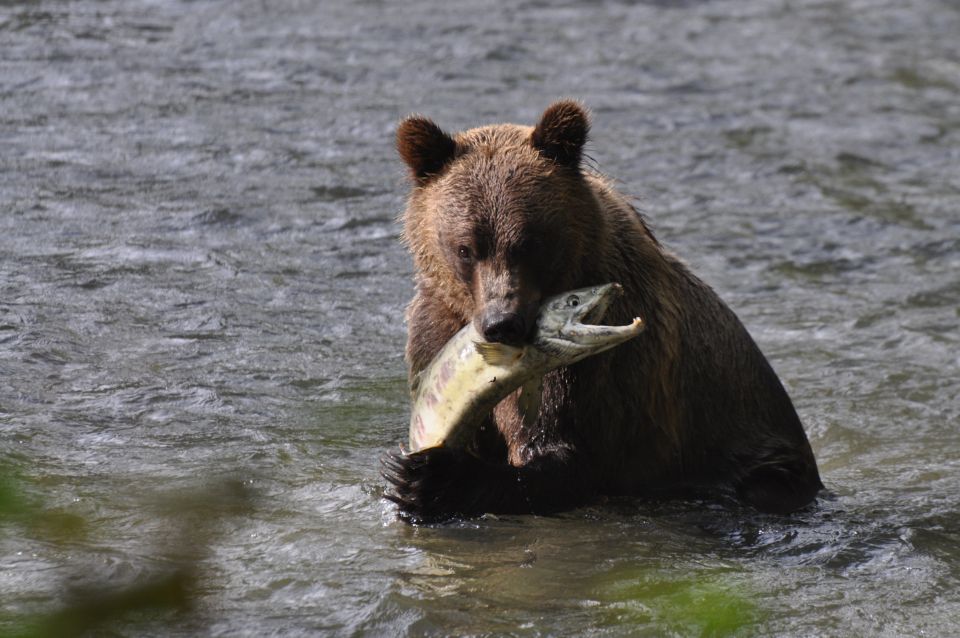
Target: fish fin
{"type": "Point", "coordinates": [529, 400]}
{"type": "Point", "coordinates": [498, 354]}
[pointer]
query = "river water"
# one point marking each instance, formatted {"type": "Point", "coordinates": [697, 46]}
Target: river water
{"type": "Point", "coordinates": [202, 288]}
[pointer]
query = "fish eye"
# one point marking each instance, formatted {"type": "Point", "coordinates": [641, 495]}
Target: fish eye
{"type": "Point", "coordinates": [573, 301]}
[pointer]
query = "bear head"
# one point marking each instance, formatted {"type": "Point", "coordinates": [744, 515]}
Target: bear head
{"type": "Point", "coordinates": [499, 217]}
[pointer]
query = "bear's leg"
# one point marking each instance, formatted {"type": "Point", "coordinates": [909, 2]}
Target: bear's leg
{"type": "Point", "coordinates": [439, 484]}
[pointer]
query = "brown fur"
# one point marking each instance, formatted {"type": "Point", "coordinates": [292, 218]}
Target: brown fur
{"type": "Point", "coordinates": [501, 217]}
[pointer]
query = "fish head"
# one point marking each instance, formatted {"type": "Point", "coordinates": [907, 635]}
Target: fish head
{"type": "Point", "coordinates": [567, 324]}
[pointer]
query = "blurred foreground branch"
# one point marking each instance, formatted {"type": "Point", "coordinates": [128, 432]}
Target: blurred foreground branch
{"type": "Point", "coordinates": [192, 517]}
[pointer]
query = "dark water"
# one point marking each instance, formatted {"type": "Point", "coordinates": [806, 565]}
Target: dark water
{"type": "Point", "coordinates": [201, 285]}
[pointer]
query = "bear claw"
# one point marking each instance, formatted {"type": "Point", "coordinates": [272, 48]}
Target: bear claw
{"type": "Point", "coordinates": [433, 485]}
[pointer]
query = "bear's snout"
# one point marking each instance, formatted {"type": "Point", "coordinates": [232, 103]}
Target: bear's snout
{"type": "Point", "coordinates": [504, 327]}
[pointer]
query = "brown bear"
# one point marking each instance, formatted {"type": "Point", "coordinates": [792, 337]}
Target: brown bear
{"type": "Point", "coordinates": [501, 217]}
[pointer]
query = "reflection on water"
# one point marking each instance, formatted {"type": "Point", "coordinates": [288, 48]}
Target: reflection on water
{"type": "Point", "coordinates": [200, 277]}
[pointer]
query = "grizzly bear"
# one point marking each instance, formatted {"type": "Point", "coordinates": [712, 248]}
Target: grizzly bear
{"type": "Point", "coordinates": [501, 217]}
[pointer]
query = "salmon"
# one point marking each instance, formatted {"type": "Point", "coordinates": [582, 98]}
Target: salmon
{"type": "Point", "coordinates": [458, 389]}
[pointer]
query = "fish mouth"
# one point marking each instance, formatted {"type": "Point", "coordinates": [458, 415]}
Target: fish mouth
{"type": "Point", "coordinates": [596, 302]}
{"type": "Point", "coordinates": [582, 326]}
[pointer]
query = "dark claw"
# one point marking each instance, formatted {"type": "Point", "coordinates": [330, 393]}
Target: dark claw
{"type": "Point", "coordinates": [392, 469]}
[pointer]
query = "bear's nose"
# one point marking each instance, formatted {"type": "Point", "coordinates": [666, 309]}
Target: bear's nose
{"type": "Point", "coordinates": [504, 327]}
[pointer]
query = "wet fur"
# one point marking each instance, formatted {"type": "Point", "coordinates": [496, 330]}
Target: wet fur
{"type": "Point", "coordinates": [690, 404]}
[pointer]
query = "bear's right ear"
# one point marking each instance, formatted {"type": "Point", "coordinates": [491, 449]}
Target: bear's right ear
{"type": "Point", "coordinates": [424, 147]}
{"type": "Point", "coordinates": [562, 132]}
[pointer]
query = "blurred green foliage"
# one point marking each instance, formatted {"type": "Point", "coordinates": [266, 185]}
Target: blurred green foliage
{"type": "Point", "coordinates": [94, 608]}
{"type": "Point", "coordinates": [13, 505]}
{"type": "Point", "coordinates": [707, 604]}
{"type": "Point", "coordinates": [96, 605]}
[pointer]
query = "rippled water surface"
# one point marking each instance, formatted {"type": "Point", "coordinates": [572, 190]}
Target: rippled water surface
{"type": "Point", "coordinates": [202, 287]}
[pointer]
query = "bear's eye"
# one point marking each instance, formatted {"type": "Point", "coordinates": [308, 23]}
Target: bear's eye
{"type": "Point", "coordinates": [465, 254]}
{"type": "Point", "coordinates": [573, 301]}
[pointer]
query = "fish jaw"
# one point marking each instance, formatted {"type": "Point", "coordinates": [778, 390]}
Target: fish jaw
{"type": "Point", "coordinates": [567, 328]}
{"type": "Point", "coordinates": [600, 336]}
{"type": "Point", "coordinates": [578, 341]}
{"type": "Point", "coordinates": [584, 305]}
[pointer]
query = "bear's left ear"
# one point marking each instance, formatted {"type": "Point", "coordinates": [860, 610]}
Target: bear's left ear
{"type": "Point", "coordinates": [424, 147]}
{"type": "Point", "coordinates": [562, 132]}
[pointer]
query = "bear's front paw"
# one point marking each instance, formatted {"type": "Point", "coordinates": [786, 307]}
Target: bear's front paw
{"type": "Point", "coordinates": [436, 484]}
